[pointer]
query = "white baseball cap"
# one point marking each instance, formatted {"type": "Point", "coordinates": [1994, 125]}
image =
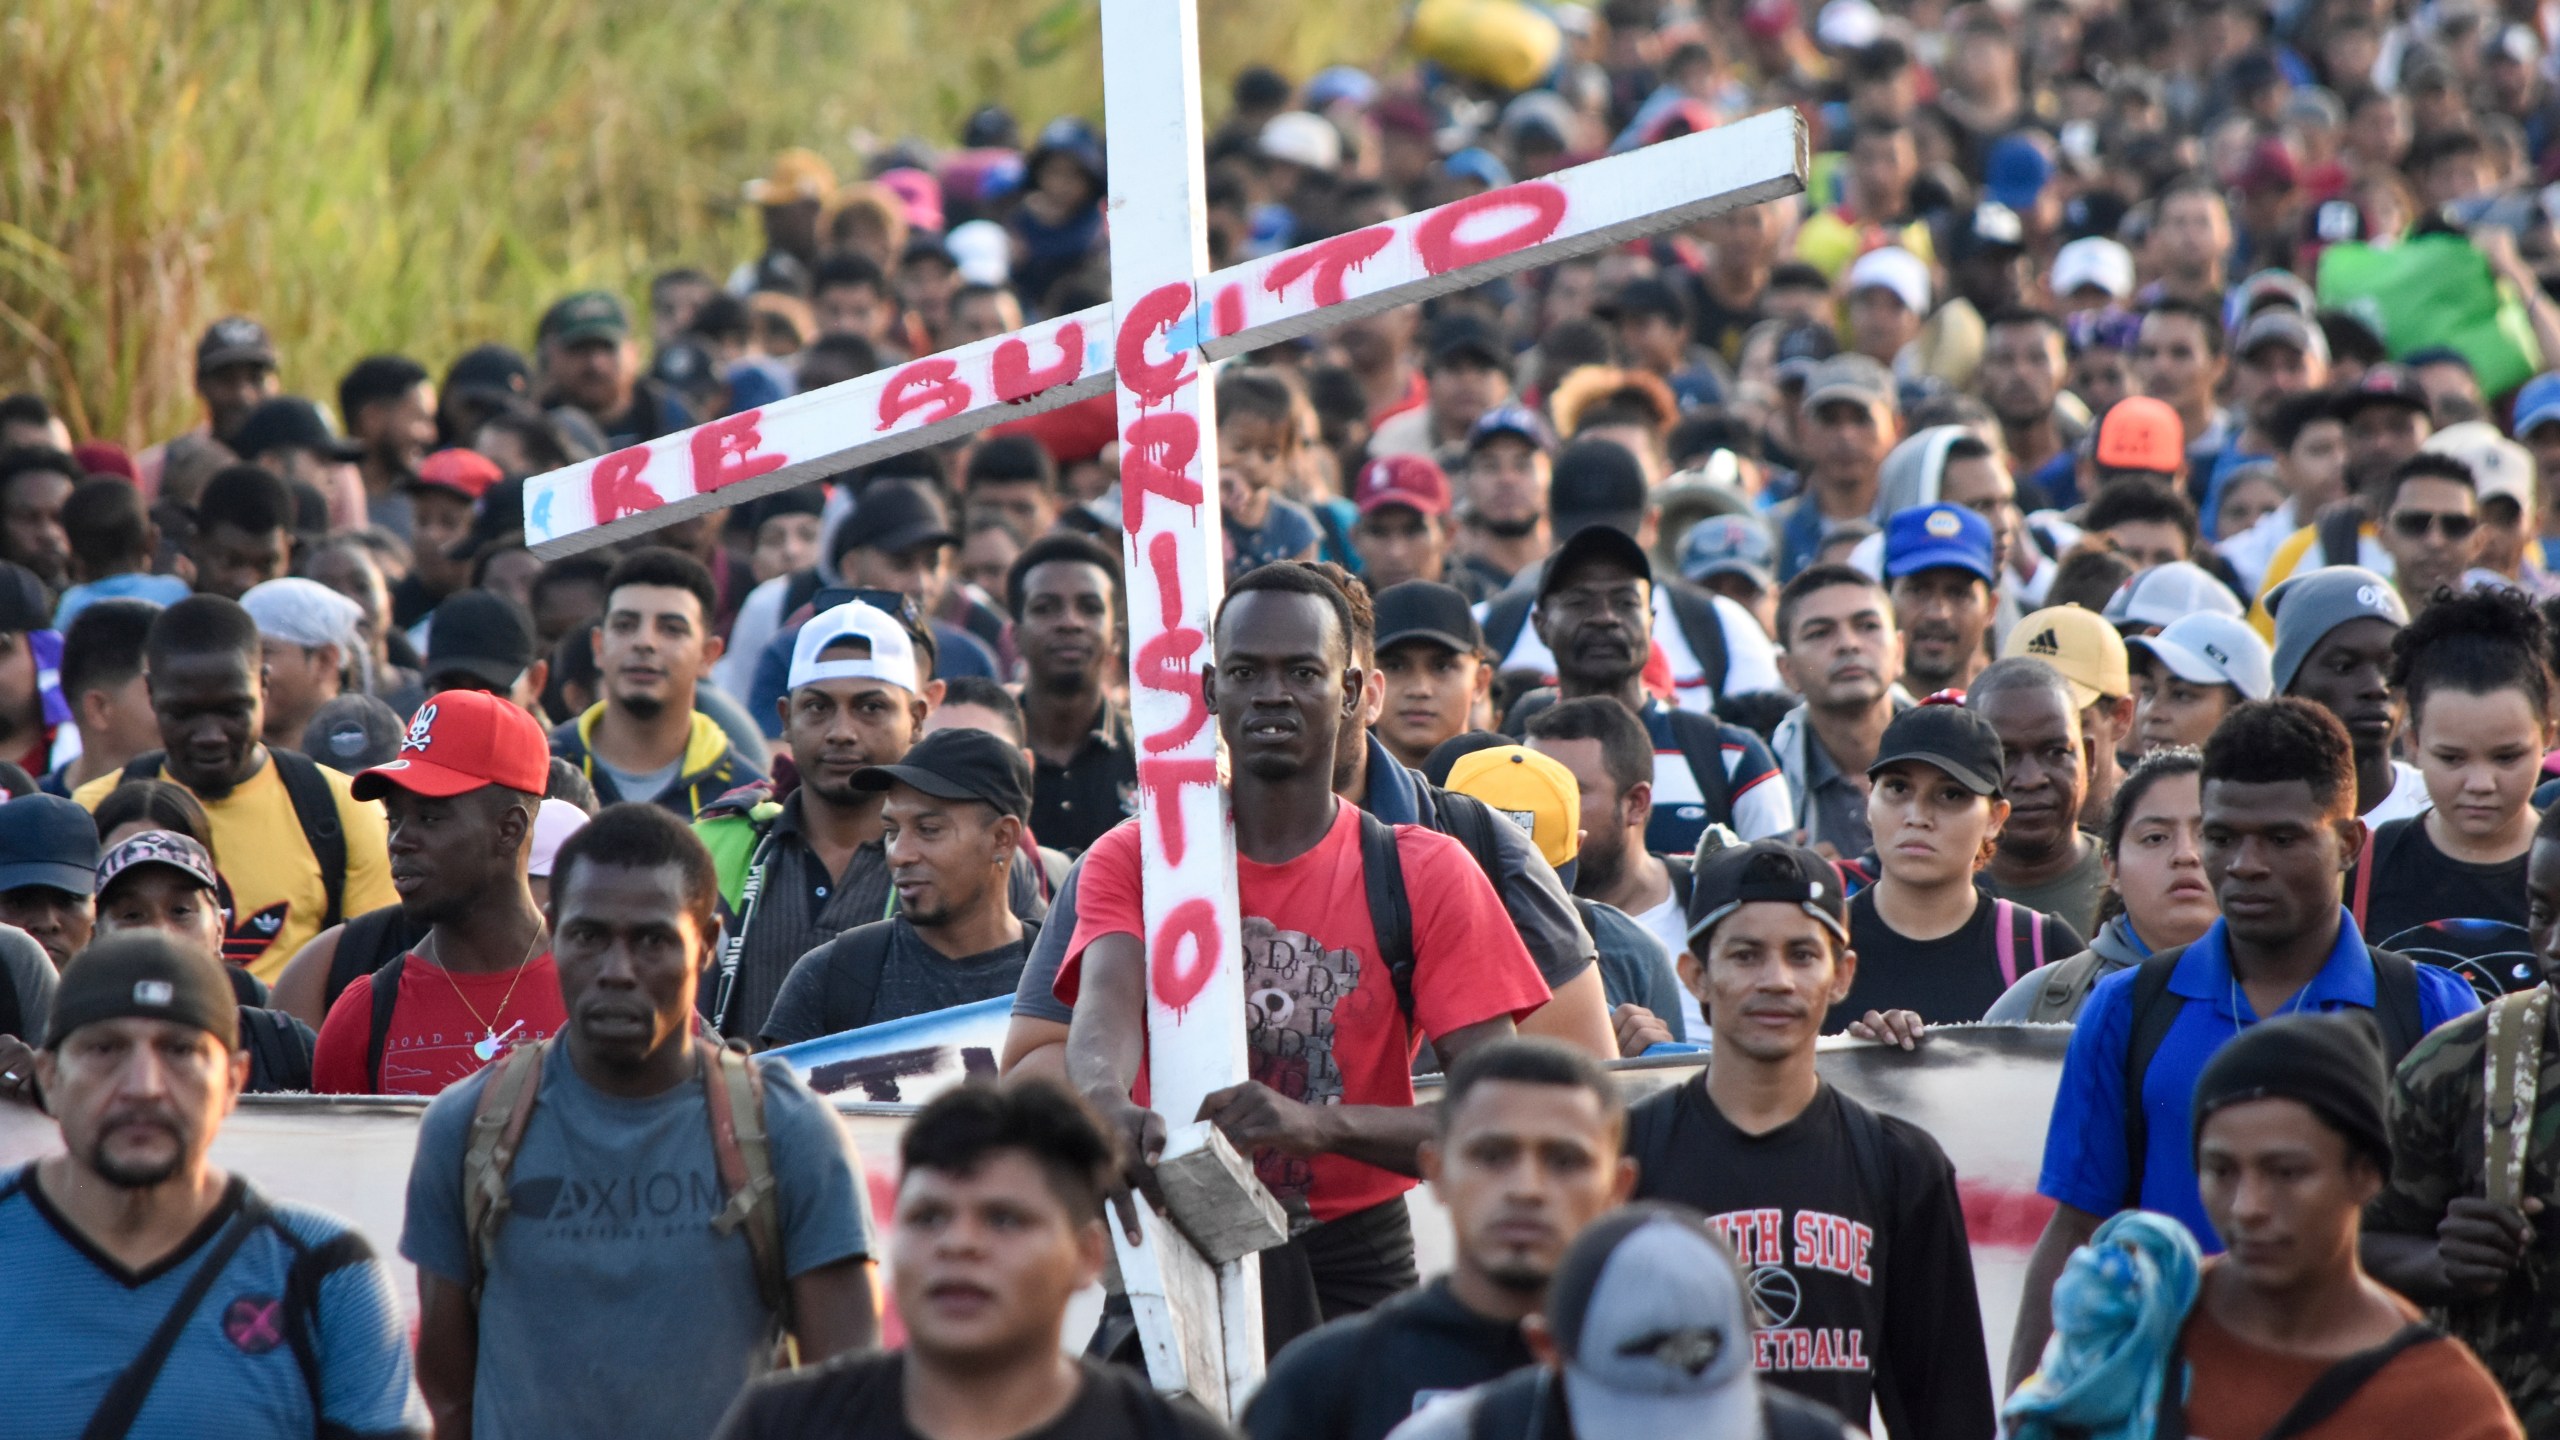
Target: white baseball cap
{"type": "Point", "coordinates": [892, 659]}
{"type": "Point", "coordinates": [2093, 261]}
{"type": "Point", "coordinates": [2214, 650]}
{"type": "Point", "coordinates": [553, 824]}
{"type": "Point", "coordinates": [2165, 594]}
{"type": "Point", "coordinates": [2499, 466]}
{"type": "Point", "coordinates": [1896, 269]}
{"type": "Point", "coordinates": [302, 612]}
{"type": "Point", "coordinates": [1303, 139]}
{"type": "Point", "coordinates": [981, 252]}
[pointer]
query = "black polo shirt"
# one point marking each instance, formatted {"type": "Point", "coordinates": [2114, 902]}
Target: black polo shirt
{"type": "Point", "coordinates": [1073, 804]}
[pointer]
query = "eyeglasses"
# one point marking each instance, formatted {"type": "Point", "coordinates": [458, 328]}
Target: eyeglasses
{"type": "Point", "coordinates": [2414, 524]}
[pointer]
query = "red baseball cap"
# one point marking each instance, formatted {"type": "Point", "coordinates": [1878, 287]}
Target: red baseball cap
{"type": "Point", "coordinates": [2142, 433]}
{"type": "Point", "coordinates": [466, 471]}
{"type": "Point", "coordinates": [459, 741]}
{"type": "Point", "coordinates": [1410, 480]}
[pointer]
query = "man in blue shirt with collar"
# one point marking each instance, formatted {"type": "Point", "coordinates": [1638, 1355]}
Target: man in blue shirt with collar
{"type": "Point", "coordinates": [2279, 832]}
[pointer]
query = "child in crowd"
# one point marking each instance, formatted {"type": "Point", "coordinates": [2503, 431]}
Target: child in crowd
{"type": "Point", "coordinates": [1257, 450]}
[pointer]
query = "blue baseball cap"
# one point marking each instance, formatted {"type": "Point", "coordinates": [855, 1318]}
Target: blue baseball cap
{"type": "Point", "coordinates": [1935, 537]}
{"type": "Point", "coordinates": [2537, 403]}
{"type": "Point", "coordinates": [2015, 172]}
{"type": "Point", "coordinates": [1517, 420]}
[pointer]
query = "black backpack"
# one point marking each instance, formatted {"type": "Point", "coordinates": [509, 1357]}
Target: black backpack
{"type": "Point", "coordinates": [314, 808]}
{"type": "Point", "coordinates": [366, 944]}
{"type": "Point", "coordinates": [1691, 609]}
{"type": "Point", "coordinates": [12, 1020]}
{"type": "Point", "coordinates": [2155, 1010]}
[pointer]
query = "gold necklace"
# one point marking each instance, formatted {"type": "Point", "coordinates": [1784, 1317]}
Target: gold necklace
{"type": "Point", "coordinates": [490, 1041]}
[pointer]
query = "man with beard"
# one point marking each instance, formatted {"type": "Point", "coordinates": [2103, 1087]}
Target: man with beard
{"type": "Point", "coordinates": [1502, 495]}
{"type": "Point", "coordinates": [1527, 1153]}
{"type": "Point", "coordinates": [645, 740]}
{"type": "Point", "coordinates": [389, 407]}
{"type": "Point", "coordinates": [797, 874]}
{"type": "Point", "coordinates": [131, 1230]}
{"type": "Point", "coordinates": [1065, 594]}
{"type": "Point", "coordinates": [1940, 566]}
{"type": "Point", "coordinates": [1611, 760]}
{"type": "Point", "coordinates": [1839, 649]}
{"type": "Point", "coordinates": [2020, 377]}
{"type": "Point", "coordinates": [462, 797]}
{"type": "Point", "coordinates": [2041, 859]}
{"type": "Point", "coordinates": [300, 851]}
{"type": "Point", "coordinates": [589, 363]}
{"type": "Point", "coordinates": [1338, 1144]}
{"type": "Point", "coordinates": [1594, 614]}
{"type": "Point", "coordinates": [951, 816]}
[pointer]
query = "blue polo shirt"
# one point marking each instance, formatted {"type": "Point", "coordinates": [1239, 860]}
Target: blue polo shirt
{"type": "Point", "coordinates": [2084, 1145]}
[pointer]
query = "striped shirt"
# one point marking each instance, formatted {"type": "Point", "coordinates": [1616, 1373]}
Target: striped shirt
{"type": "Point", "coordinates": [1761, 804]}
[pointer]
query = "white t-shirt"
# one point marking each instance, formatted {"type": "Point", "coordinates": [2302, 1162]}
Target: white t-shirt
{"type": "Point", "coordinates": [2408, 796]}
{"type": "Point", "coordinates": [1666, 923]}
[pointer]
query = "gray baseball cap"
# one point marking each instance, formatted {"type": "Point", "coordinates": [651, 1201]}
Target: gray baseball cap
{"type": "Point", "coordinates": [1655, 1324]}
{"type": "Point", "coordinates": [2308, 607]}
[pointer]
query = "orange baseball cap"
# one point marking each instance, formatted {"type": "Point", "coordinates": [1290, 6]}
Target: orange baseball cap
{"type": "Point", "coordinates": [2141, 433]}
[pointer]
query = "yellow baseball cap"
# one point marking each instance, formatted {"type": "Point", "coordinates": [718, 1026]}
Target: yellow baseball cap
{"type": "Point", "coordinates": [2080, 644]}
{"type": "Point", "coordinates": [1529, 789]}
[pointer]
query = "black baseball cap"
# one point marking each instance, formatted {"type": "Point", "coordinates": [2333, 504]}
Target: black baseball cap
{"type": "Point", "coordinates": [960, 764]}
{"type": "Point", "coordinates": [46, 840]}
{"type": "Point", "coordinates": [1595, 542]}
{"type": "Point", "coordinates": [145, 974]}
{"type": "Point", "coordinates": [494, 367]}
{"type": "Point", "coordinates": [1950, 737]}
{"type": "Point", "coordinates": [894, 517]}
{"type": "Point", "coordinates": [1766, 870]}
{"type": "Point", "coordinates": [1596, 482]}
{"type": "Point", "coordinates": [587, 315]}
{"type": "Point", "coordinates": [289, 422]}
{"type": "Point", "coordinates": [1464, 335]}
{"type": "Point", "coordinates": [25, 605]}
{"type": "Point", "coordinates": [2381, 385]}
{"type": "Point", "coordinates": [1427, 610]}
{"type": "Point", "coordinates": [234, 340]}
{"type": "Point", "coordinates": [481, 634]}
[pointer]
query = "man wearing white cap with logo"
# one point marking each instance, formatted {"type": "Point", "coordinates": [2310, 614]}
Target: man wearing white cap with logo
{"type": "Point", "coordinates": [2190, 674]}
{"type": "Point", "coordinates": [1888, 298]}
{"type": "Point", "coordinates": [309, 634]}
{"type": "Point", "coordinates": [1646, 1335]}
{"type": "Point", "coordinates": [2092, 273]}
{"type": "Point", "coordinates": [795, 875]}
{"type": "Point", "coordinates": [2164, 594]}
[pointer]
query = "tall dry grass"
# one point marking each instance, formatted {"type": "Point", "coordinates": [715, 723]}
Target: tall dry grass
{"type": "Point", "coordinates": [367, 175]}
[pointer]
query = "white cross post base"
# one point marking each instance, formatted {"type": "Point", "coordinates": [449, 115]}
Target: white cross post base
{"type": "Point", "coordinates": [1199, 1315]}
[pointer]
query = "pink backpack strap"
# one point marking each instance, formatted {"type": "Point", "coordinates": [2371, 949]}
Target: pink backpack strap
{"type": "Point", "coordinates": [2005, 940]}
{"type": "Point", "coordinates": [2035, 927]}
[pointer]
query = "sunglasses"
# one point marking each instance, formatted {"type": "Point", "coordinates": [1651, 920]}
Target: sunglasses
{"type": "Point", "coordinates": [2414, 524]}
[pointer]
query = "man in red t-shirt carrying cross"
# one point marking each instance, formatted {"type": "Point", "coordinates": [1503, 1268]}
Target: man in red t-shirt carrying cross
{"type": "Point", "coordinates": [1334, 1016]}
{"type": "Point", "coordinates": [461, 796]}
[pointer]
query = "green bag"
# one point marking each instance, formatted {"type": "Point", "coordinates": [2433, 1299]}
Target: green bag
{"type": "Point", "coordinates": [2435, 290]}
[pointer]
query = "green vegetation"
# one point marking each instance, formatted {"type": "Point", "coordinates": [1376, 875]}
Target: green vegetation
{"type": "Point", "coordinates": [365, 175]}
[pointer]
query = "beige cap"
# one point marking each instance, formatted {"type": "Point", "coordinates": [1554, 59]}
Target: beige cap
{"type": "Point", "coordinates": [2499, 466]}
{"type": "Point", "coordinates": [2080, 644]}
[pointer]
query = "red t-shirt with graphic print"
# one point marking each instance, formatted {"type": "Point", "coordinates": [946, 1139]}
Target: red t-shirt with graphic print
{"type": "Point", "coordinates": [437, 1022]}
{"type": "Point", "coordinates": [1323, 1025]}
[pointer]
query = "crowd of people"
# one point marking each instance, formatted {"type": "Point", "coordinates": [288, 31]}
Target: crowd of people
{"type": "Point", "coordinates": [2090, 559]}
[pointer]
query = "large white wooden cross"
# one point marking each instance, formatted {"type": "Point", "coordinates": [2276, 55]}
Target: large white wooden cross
{"type": "Point", "coordinates": [1200, 1319]}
